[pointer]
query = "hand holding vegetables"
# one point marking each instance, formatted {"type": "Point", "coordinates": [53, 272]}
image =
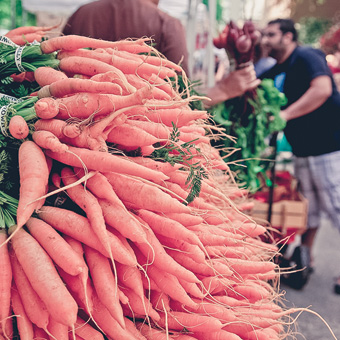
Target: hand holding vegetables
{"type": "Point", "coordinates": [235, 84]}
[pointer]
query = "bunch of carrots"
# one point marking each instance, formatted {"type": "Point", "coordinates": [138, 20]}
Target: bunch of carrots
{"type": "Point", "coordinates": [132, 257]}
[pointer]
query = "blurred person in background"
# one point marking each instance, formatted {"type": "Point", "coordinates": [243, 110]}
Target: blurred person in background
{"type": "Point", "coordinates": [121, 19]}
{"type": "Point", "coordinates": [313, 127]}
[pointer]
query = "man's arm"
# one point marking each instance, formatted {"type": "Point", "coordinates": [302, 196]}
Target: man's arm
{"type": "Point", "coordinates": [235, 84]}
{"type": "Point", "coordinates": [319, 91]}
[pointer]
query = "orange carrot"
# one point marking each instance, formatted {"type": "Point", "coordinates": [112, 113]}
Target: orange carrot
{"type": "Point", "coordinates": [28, 29]}
{"type": "Point", "coordinates": [105, 283]}
{"type": "Point", "coordinates": [220, 335]}
{"type": "Point", "coordinates": [86, 331]}
{"type": "Point", "coordinates": [185, 219]}
{"type": "Point", "coordinates": [117, 77]}
{"type": "Point", "coordinates": [160, 300]}
{"type": "Point", "coordinates": [168, 227]}
{"type": "Point", "coordinates": [192, 322]}
{"type": "Point", "coordinates": [59, 128]}
{"type": "Point", "coordinates": [140, 305]}
{"type": "Point", "coordinates": [5, 287]}
{"type": "Point", "coordinates": [122, 135]}
{"type": "Point", "coordinates": [18, 127]}
{"type": "Point", "coordinates": [56, 247]}
{"type": "Point", "coordinates": [44, 278]}
{"type": "Point", "coordinates": [101, 161]}
{"type": "Point", "coordinates": [89, 203]}
{"type": "Point", "coordinates": [74, 225]}
{"type": "Point", "coordinates": [46, 108]}
{"type": "Point", "coordinates": [46, 75]}
{"type": "Point", "coordinates": [144, 195]}
{"type": "Point", "coordinates": [34, 174]}
{"type": "Point", "coordinates": [122, 220]}
{"type": "Point", "coordinates": [72, 42]}
{"type": "Point", "coordinates": [83, 105]}
{"type": "Point", "coordinates": [47, 140]}
{"type": "Point", "coordinates": [69, 86]}
{"type": "Point", "coordinates": [24, 325]}
{"type": "Point", "coordinates": [57, 330]}
{"type": "Point", "coordinates": [151, 333]}
{"type": "Point", "coordinates": [165, 281]}
{"type": "Point", "coordinates": [131, 278]}
{"type": "Point", "coordinates": [34, 307]}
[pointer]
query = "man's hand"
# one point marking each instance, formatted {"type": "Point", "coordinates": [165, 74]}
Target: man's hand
{"type": "Point", "coordinates": [234, 84]}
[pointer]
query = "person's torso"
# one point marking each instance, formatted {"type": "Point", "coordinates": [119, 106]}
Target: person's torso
{"type": "Point", "coordinates": [317, 132]}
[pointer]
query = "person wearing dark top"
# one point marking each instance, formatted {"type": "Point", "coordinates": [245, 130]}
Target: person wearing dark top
{"type": "Point", "coordinates": [121, 19]}
{"type": "Point", "coordinates": [313, 123]}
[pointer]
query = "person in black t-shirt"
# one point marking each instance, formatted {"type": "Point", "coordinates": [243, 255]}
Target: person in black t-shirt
{"type": "Point", "coordinates": [313, 122]}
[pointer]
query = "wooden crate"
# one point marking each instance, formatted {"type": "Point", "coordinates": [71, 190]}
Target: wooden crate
{"type": "Point", "coordinates": [286, 214]}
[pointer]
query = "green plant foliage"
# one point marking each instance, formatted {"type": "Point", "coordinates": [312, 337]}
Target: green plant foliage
{"type": "Point", "coordinates": [6, 14]}
{"type": "Point", "coordinates": [249, 126]}
{"type": "Point", "coordinates": [311, 29]}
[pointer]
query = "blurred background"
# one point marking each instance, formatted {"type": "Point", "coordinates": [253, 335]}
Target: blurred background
{"type": "Point", "coordinates": [203, 20]}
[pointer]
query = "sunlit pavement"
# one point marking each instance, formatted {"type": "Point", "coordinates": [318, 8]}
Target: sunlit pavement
{"type": "Point", "coordinates": [318, 294]}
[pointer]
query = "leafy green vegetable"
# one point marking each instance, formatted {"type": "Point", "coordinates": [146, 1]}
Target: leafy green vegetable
{"type": "Point", "coordinates": [250, 125]}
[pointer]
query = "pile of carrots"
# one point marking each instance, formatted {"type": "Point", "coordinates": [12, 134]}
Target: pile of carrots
{"type": "Point", "coordinates": [131, 258]}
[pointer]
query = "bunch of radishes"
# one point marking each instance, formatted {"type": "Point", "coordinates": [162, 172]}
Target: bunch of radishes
{"type": "Point", "coordinates": [239, 42]}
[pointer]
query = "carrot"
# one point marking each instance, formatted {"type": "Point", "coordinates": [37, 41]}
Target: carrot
{"type": "Point", "coordinates": [188, 249]}
{"type": "Point", "coordinates": [192, 322]}
{"type": "Point", "coordinates": [105, 283]}
{"type": "Point", "coordinates": [56, 247]}
{"type": "Point", "coordinates": [138, 83]}
{"type": "Point", "coordinates": [57, 330]}
{"type": "Point", "coordinates": [100, 187]}
{"type": "Point", "coordinates": [207, 308]}
{"type": "Point", "coordinates": [86, 331]}
{"type": "Point", "coordinates": [156, 129]}
{"type": "Point", "coordinates": [122, 135]}
{"type": "Point", "coordinates": [72, 42]}
{"type": "Point", "coordinates": [220, 335]}
{"type": "Point", "coordinates": [151, 333]}
{"type": "Point", "coordinates": [47, 140]}
{"type": "Point", "coordinates": [46, 108]}
{"type": "Point", "coordinates": [59, 128]}
{"type": "Point", "coordinates": [165, 281]}
{"type": "Point", "coordinates": [74, 225]}
{"type": "Point", "coordinates": [18, 127]}
{"type": "Point", "coordinates": [82, 294]}
{"type": "Point", "coordinates": [168, 116]}
{"type": "Point", "coordinates": [92, 208]}
{"type": "Point", "coordinates": [131, 327]}
{"type": "Point", "coordinates": [34, 307]}
{"type": "Point", "coordinates": [103, 162]}
{"type": "Point", "coordinates": [83, 105]}
{"type": "Point", "coordinates": [144, 195]}
{"type": "Point", "coordinates": [123, 221]}
{"type": "Point", "coordinates": [150, 163]}
{"type": "Point", "coordinates": [24, 325]}
{"type": "Point", "coordinates": [108, 324]}
{"type": "Point", "coordinates": [131, 278]}
{"type": "Point", "coordinates": [160, 300]}
{"type": "Point", "coordinates": [185, 219]}
{"type": "Point", "coordinates": [117, 77]}
{"type": "Point", "coordinates": [140, 305]}
{"type": "Point", "coordinates": [28, 29]}
{"type": "Point", "coordinates": [34, 174]}
{"type": "Point", "coordinates": [46, 75]}
{"type": "Point", "coordinates": [39, 334]}
{"type": "Point", "coordinates": [44, 278]}
{"type": "Point", "coordinates": [168, 227]}
{"type": "Point", "coordinates": [69, 86]}
{"type": "Point", "coordinates": [5, 287]}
